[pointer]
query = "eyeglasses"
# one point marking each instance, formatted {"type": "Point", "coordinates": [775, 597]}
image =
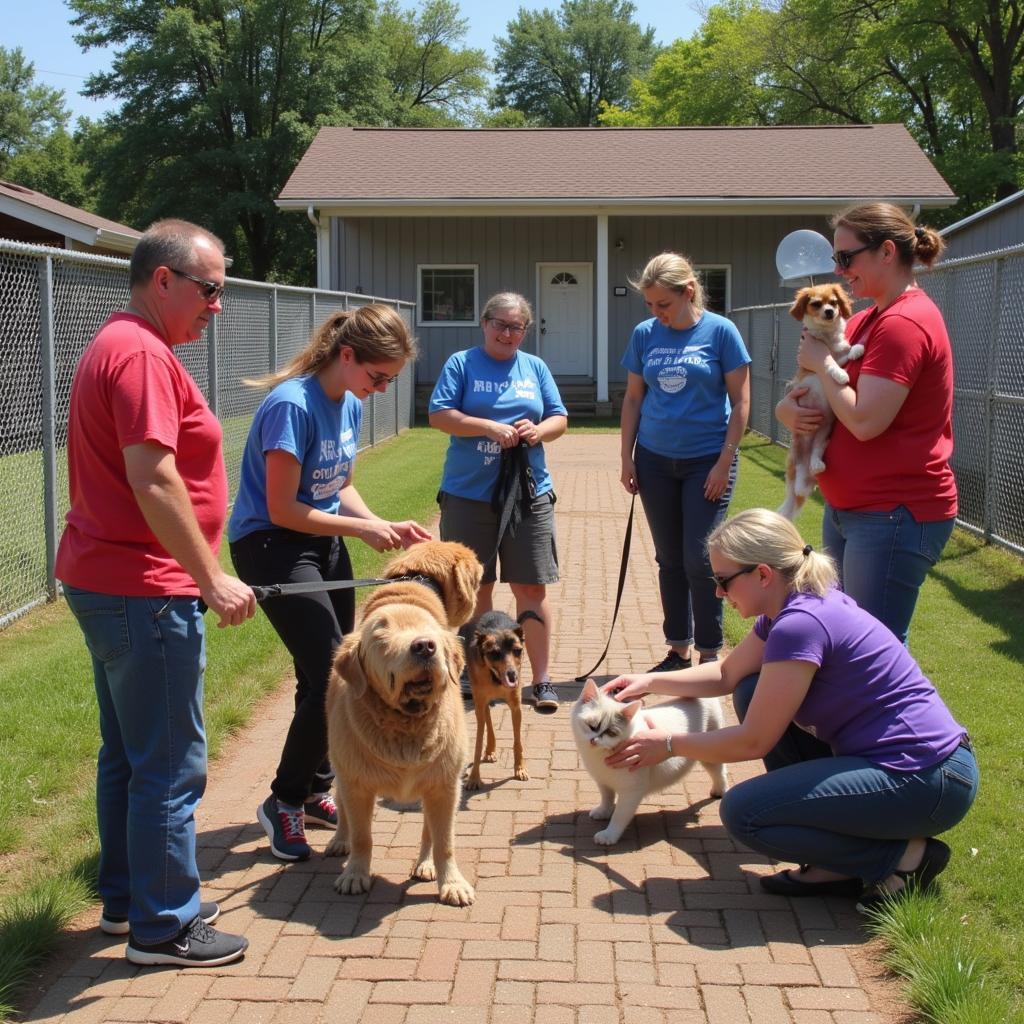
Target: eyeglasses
{"type": "Point", "coordinates": [376, 379]}
{"type": "Point", "coordinates": [844, 257]}
{"type": "Point", "coordinates": [724, 581]}
{"type": "Point", "coordinates": [501, 326]}
{"type": "Point", "coordinates": [209, 291]}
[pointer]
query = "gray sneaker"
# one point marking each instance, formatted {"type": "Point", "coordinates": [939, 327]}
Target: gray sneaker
{"type": "Point", "coordinates": [544, 697]}
{"type": "Point", "coordinates": [196, 945]}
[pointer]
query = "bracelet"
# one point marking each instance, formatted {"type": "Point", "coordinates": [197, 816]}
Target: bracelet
{"type": "Point", "coordinates": [668, 745]}
{"type": "Point", "coordinates": [730, 445]}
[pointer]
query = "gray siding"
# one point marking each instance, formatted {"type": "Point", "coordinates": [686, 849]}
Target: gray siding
{"type": "Point", "coordinates": [379, 256]}
{"type": "Point", "coordinates": [999, 230]}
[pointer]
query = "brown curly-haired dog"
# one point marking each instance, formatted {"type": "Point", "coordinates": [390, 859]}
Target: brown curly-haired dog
{"type": "Point", "coordinates": [395, 722]}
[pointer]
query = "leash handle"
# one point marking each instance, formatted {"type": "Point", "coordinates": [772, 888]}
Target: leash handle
{"type": "Point", "coordinates": [618, 593]}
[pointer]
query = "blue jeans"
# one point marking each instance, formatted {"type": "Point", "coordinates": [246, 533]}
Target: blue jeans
{"type": "Point", "coordinates": [846, 813]}
{"type": "Point", "coordinates": [883, 558]}
{"type": "Point", "coordinates": [148, 657]}
{"type": "Point", "coordinates": [680, 518]}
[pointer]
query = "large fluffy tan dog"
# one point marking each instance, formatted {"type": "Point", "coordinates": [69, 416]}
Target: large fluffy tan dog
{"type": "Point", "coordinates": [395, 722]}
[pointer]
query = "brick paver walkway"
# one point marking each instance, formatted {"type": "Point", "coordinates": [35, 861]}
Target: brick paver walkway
{"type": "Point", "coordinates": [667, 927]}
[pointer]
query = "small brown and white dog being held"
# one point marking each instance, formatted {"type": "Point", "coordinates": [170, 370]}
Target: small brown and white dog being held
{"type": "Point", "coordinates": [395, 723]}
{"type": "Point", "coordinates": [823, 310]}
{"type": "Point", "coordinates": [494, 659]}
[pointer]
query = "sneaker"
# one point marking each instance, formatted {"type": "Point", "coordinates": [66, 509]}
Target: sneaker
{"type": "Point", "coordinates": [114, 924]}
{"type": "Point", "coordinates": [320, 809]}
{"type": "Point", "coordinates": [285, 829]}
{"type": "Point", "coordinates": [544, 697]}
{"type": "Point", "coordinates": [672, 662]}
{"type": "Point", "coordinates": [196, 945]}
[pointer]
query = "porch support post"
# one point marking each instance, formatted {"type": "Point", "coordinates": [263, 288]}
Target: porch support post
{"type": "Point", "coordinates": [322, 226]}
{"type": "Point", "coordinates": [603, 290]}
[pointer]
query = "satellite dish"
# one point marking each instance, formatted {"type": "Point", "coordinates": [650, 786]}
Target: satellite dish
{"type": "Point", "coordinates": [803, 254]}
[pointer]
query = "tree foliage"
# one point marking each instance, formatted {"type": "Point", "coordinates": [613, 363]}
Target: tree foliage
{"type": "Point", "coordinates": [951, 70]}
{"type": "Point", "coordinates": [559, 68]}
{"type": "Point", "coordinates": [220, 99]}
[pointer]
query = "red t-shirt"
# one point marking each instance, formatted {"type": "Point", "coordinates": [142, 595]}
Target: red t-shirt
{"type": "Point", "coordinates": [129, 388]}
{"type": "Point", "coordinates": [908, 463]}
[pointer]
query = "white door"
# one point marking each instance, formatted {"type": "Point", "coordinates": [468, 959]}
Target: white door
{"type": "Point", "coordinates": [564, 319]}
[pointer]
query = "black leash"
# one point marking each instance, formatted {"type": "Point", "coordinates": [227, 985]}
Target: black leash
{"type": "Point", "coordinates": [285, 589]}
{"type": "Point", "coordinates": [618, 593]}
{"type": "Point", "coordinates": [514, 492]}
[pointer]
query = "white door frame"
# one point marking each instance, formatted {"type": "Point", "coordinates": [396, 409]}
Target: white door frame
{"type": "Point", "coordinates": [562, 265]}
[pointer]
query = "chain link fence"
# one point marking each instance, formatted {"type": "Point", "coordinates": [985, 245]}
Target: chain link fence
{"type": "Point", "coordinates": [982, 301]}
{"type": "Point", "coordinates": [51, 304]}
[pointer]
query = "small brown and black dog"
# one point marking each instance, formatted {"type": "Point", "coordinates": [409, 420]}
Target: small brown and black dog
{"type": "Point", "coordinates": [494, 659]}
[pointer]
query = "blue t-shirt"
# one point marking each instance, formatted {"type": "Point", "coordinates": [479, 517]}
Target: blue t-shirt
{"type": "Point", "coordinates": [503, 390]}
{"type": "Point", "coordinates": [869, 696]}
{"type": "Point", "coordinates": [686, 408]}
{"type": "Point", "coordinates": [298, 418]}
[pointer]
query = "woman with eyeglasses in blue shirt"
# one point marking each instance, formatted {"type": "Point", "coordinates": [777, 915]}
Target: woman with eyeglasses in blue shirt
{"type": "Point", "coordinates": [295, 505]}
{"type": "Point", "coordinates": [890, 495]}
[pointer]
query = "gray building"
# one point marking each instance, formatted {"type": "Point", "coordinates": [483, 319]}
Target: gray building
{"type": "Point", "coordinates": [446, 217]}
{"type": "Point", "coordinates": [995, 227]}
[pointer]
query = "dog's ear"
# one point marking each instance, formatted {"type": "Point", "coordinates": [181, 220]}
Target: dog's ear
{"type": "Point", "coordinates": [460, 596]}
{"type": "Point", "coordinates": [589, 691]}
{"type": "Point", "coordinates": [349, 665]}
{"type": "Point", "coordinates": [799, 308]}
{"type": "Point", "coordinates": [454, 657]}
{"type": "Point", "coordinates": [843, 302]}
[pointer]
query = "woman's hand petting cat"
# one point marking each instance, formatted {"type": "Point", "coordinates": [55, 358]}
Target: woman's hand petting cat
{"type": "Point", "coordinates": [627, 688]}
{"type": "Point", "coordinates": [641, 750]}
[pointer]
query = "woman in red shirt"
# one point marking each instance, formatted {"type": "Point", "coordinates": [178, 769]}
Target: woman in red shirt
{"type": "Point", "coordinates": [890, 495]}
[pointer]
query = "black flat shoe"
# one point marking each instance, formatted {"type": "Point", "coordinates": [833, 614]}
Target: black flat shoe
{"type": "Point", "coordinates": [933, 862]}
{"type": "Point", "coordinates": [785, 884]}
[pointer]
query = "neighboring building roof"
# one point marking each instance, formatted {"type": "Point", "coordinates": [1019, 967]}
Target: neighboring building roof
{"type": "Point", "coordinates": [49, 219]}
{"type": "Point", "coordinates": [973, 218]}
{"type": "Point", "coordinates": [614, 167]}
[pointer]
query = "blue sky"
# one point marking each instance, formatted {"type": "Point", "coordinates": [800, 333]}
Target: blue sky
{"type": "Point", "coordinates": [43, 31]}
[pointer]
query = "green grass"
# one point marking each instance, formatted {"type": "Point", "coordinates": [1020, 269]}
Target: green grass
{"type": "Point", "coordinates": [962, 954]}
{"type": "Point", "coordinates": [50, 736]}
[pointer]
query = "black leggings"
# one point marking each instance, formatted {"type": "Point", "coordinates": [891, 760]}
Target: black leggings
{"type": "Point", "coordinates": [311, 627]}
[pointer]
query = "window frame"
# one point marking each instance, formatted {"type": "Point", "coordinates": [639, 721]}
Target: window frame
{"type": "Point", "coordinates": [420, 267]}
{"type": "Point", "coordinates": [727, 267]}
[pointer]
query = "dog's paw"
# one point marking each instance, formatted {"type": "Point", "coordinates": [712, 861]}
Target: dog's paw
{"type": "Point", "coordinates": [472, 781]}
{"type": "Point", "coordinates": [839, 375]}
{"type": "Point", "coordinates": [425, 870]}
{"type": "Point", "coordinates": [490, 757]}
{"type": "Point", "coordinates": [457, 892]}
{"type": "Point", "coordinates": [522, 774]}
{"type": "Point", "coordinates": [601, 812]}
{"type": "Point", "coordinates": [337, 847]}
{"type": "Point", "coordinates": [607, 837]}
{"type": "Point", "coordinates": [816, 466]}
{"type": "Point", "coordinates": [856, 352]}
{"type": "Point", "coordinates": [352, 883]}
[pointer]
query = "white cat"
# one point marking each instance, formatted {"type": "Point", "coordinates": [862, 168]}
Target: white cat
{"type": "Point", "coordinates": [600, 722]}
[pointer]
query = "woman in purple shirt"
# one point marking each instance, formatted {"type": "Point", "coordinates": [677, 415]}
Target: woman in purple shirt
{"type": "Point", "coordinates": [865, 763]}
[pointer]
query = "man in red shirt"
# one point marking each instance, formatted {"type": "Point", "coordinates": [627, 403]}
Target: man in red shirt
{"type": "Point", "coordinates": [138, 561]}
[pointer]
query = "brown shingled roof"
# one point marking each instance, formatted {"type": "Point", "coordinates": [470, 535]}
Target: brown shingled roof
{"type": "Point", "coordinates": [41, 201]}
{"type": "Point", "coordinates": [815, 162]}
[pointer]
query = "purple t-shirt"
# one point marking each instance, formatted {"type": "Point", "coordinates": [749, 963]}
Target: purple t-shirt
{"type": "Point", "coordinates": [869, 697]}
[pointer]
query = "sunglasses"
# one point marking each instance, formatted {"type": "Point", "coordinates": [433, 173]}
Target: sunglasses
{"type": "Point", "coordinates": [376, 379]}
{"type": "Point", "coordinates": [209, 291]}
{"type": "Point", "coordinates": [501, 326]}
{"type": "Point", "coordinates": [724, 581]}
{"type": "Point", "coordinates": [844, 257]}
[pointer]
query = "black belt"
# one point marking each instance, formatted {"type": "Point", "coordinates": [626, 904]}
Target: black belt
{"type": "Point", "coordinates": [965, 741]}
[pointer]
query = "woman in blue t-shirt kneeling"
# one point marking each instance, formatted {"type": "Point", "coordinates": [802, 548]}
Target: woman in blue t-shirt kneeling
{"type": "Point", "coordinates": [295, 503]}
{"type": "Point", "coordinates": [490, 399]}
{"type": "Point", "coordinates": [865, 763]}
{"type": "Point", "coordinates": [683, 417]}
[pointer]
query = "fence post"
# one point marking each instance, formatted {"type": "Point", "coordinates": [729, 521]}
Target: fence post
{"type": "Point", "coordinates": [773, 423]}
{"type": "Point", "coordinates": [49, 424]}
{"type": "Point", "coordinates": [990, 399]}
{"type": "Point", "coordinates": [272, 338]}
{"type": "Point", "coordinates": [211, 363]}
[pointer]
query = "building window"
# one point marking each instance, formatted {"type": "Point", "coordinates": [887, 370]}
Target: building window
{"type": "Point", "coordinates": [716, 287]}
{"type": "Point", "coordinates": [448, 294]}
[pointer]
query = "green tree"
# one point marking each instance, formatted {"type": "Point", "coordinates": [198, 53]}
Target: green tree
{"type": "Point", "coordinates": [433, 80]}
{"type": "Point", "coordinates": [558, 68]}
